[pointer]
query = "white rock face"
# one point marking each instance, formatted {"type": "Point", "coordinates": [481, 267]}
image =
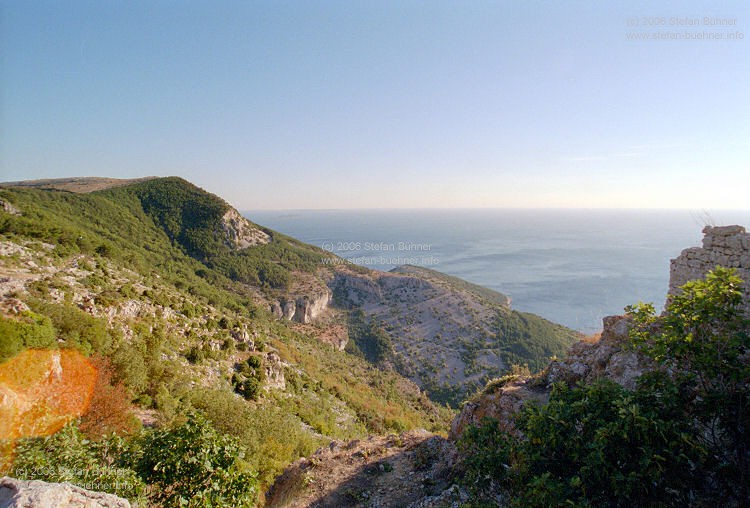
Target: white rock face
{"type": "Point", "coordinates": [33, 493]}
{"type": "Point", "coordinates": [304, 309]}
{"type": "Point", "coordinates": [274, 368]}
{"type": "Point", "coordinates": [9, 208]}
{"type": "Point", "coordinates": [308, 308]}
{"type": "Point", "coordinates": [240, 233]}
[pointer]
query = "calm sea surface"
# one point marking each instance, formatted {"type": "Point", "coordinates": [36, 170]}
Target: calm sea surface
{"type": "Point", "coordinates": [570, 266]}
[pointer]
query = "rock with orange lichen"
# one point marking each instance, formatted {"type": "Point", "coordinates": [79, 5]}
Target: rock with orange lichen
{"type": "Point", "coordinates": [41, 390]}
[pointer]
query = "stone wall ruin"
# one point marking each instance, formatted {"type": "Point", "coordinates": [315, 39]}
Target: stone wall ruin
{"type": "Point", "coordinates": [727, 246]}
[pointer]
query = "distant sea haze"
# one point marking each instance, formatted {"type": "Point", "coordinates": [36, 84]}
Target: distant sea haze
{"type": "Point", "coordinates": [570, 266]}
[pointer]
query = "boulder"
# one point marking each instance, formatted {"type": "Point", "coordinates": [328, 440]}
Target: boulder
{"type": "Point", "coordinates": [39, 494]}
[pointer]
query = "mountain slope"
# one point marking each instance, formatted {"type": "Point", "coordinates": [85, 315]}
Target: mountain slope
{"type": "Point", "coordinates": [447, 335]}
{"type": "Point", "coordinates": [97, 273]}
{"type": "Point", "coordinates": [194, 307]}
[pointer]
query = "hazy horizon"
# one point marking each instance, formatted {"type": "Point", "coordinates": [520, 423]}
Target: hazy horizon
{"type": "Point", "coordinates": [340, 105]}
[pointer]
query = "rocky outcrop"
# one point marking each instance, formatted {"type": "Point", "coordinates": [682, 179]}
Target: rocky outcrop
{"type": "Point", "coordinates": [9, 208]}
{"type": "Point", "coordinates": [727, 246]}
{"type": "Point", "coordinates": [308, 308]}
{"type": "Point", "coordinates": [306, 302]}
{"type": "Point", "coordinates": [38, 494]}
{"type": "Point", "coordinates": [501, 401]}
{"type": "Point", "coordinates": [240, 233]}
{"type": "Point", "coordinates": [303, 309]}
{"type": "Point", "coordinates": [606, 357]}
{"type": "Point", "coordinates": [448, 336]}
{"type": "Point", "coordinates": [274, 372]}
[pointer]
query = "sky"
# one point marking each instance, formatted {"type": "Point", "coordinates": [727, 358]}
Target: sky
{"type": "Point", "coordinates": [384, 104]}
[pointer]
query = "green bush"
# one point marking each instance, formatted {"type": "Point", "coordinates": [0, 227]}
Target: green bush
{"type": "Point", "coordinates": [29, 330]}
{"type": "Point", "coordinates": [680, 438]}
{"type": "Point", "coordinates": [68, 456]}
{"type": "Point", "coordinates": [194, 465]}
{"type": "Point", "coordinates": [703, 338]}
{"type": "Point", "coordinates": [249, 378]}
{"type": "Point", "coordinates": [76, 328]}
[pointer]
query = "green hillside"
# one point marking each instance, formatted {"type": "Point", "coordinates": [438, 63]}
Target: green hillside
{"type": "Point", "coordinates": [168, 292]}
{"type": "Point", "coordinates": [139, 279]}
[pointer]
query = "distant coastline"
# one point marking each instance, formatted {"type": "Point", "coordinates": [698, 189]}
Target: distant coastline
{"type": "Point", "coordinates": [572, 266]}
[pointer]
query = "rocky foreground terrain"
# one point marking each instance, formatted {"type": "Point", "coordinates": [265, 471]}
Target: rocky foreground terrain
{"type": "Point", "coordinates": [420, 469]}
{"type": "Point", "coordinates": [430, 466]}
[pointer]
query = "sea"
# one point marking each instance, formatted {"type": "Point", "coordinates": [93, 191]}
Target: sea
{"type": "Point", "coordinates": [573, 267]}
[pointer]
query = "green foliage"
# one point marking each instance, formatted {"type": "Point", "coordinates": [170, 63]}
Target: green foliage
{"type": "Point", "coordinates": [76, 328]}
{"type": "Point", "coordinates": [486, 449]}
{"type": "Point", "coordinates": [192, 220]}
{"type": "Point", "coordinates": [249, 378]}
{"type": "Point", "coordinates": [28, 330]}
{"type": "Point", "coordinates": [704, 339]}
{"type": "Point", "coordinates": [369, 337]}
{"type": "Point", "coordinates": [680, 438]}
{"type": "Point", "coordinates": [139, 364]}
{"type": "Point", "coordinates": [68, 456]}
{"type": "Point", "coordinates": [191, 464]}
{"type": "Point", "coordinates": [194, 465]}
{"type": "Point", "coordinates": [271, 436]}
{"type": "Point", "coordinates": [598, 444]}
{"type": "Point", "coordinates": [527, 339]}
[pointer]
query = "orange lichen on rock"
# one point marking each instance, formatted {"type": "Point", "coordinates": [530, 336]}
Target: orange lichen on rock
{"type": "Point", "coordinates": [41, 390]}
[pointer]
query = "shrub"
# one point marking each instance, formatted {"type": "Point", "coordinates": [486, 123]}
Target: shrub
{"type": "Point", "coordinates": [194, 465]}
{"type": "Point", "coordinates": [680, 438]}
{"type": "Point", "coordinates": [29, 330]}
{"type": "Point", "coordinates": [703, 338]}
{"type": "Point", "coordinates": [109, 409]}
{"type": "Point", "coordinates": [68, 456]}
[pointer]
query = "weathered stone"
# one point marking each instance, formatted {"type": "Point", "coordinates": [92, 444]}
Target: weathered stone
{"type": "Point", "coordinates": [307, 308]}
{"type": "Point", "coordinates": [288, 309]}
{"type": "Point", "coordinates": [727, 246]}
{"type": "Point", "coordinates": [9, 208]}
{"type": "Point", "coordinates": [240, 233]}
{"type": "Point", "coordinates": [719, 231]}
{"type": "Point", "coordinates": [586, 361]}
{"type": "Point", "coordinates": [274, 369]}
{"type": "Point", "coordinates": [276, 310]}
{"type": "Point", "coordinates": [38, 494]}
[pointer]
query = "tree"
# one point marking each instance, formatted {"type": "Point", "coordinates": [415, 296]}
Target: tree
{"type": "Point", "coordinates": [703, 339]}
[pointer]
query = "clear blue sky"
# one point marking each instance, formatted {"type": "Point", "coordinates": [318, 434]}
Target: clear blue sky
{"type": "Point", "coordinates": [379, 104]}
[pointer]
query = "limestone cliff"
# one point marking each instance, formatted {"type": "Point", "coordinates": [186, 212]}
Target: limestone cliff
{"type": "Point", "coordinates": [305, 302]}
{"type": "Point", "coordinates": [240, 233]}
